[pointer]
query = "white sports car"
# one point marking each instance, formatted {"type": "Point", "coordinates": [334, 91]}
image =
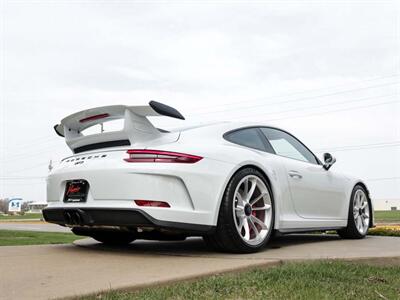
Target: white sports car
{"type": "Point", "coordinates": [233, 184]}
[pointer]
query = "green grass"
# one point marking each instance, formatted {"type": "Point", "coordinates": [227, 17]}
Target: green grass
{"type": "Point", "coordinates": [385, 231]}
{"type": "Point", "coordinates": [21, 217]}
{"type": "Point", "coordinates": [315, 280]}
{"type": "Point", "coordinates": [17, 238]}
{"type": "Point", "coordinates": [390, 216]}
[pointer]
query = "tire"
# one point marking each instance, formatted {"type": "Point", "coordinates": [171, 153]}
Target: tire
{"type": "Point", "coordinates": [237, 229]}
{"type": "Point", "coordinates": [114, 238]}
{"type": "Point", "coordinates": [359, 215]}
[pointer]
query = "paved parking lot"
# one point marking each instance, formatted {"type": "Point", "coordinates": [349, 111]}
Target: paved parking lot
{"type": "Point", "coordinates": [50, 271]}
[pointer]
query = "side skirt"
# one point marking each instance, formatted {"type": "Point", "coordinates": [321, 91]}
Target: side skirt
{"type": "Point", "coordinates": [304, 230]}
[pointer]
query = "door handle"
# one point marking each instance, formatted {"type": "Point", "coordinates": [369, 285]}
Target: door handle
{"type": "Point", "coordinates": [295, 174]}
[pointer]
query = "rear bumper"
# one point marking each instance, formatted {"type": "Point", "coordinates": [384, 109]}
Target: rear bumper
{"type": "Point", "coordinates": [118, 217]}
{"type": "Point", "coordinates": [193, 191]}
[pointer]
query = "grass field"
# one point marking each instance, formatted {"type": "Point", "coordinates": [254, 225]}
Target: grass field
{"type": "Point", "coordinates": [383, 230]}
{"type": "Point", "coordinates": [21, 217]}
{"type": "Point", "coordinates": [314, 280]}
{"type": "Point", "coordinates": [390, 216]}
{"type": "Point", "coordinates": [18, 238]}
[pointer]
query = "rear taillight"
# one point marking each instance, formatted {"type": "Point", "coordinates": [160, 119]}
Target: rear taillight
{"type": "Point", "coordinates": [151, 203]}
{"type": "Point", "coordinates": [137, 156]}
{"type": "Point", "coordinates": [93, 118]}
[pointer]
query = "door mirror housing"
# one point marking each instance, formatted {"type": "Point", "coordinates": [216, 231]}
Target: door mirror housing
{"type": "Point", "coordinates": [329, 160]}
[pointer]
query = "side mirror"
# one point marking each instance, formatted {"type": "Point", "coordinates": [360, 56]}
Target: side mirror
{"type": "Point", "coordinates": [329, 160]}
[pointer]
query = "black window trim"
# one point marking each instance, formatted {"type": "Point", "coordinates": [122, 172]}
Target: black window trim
{"type": "Point", "coordinates": [267, 143]}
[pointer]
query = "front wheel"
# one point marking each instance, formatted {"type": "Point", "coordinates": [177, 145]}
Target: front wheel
{"type": "Point", "coordinates": [359, 215]}
{"type": "Point", "coordinates": [246, 216]}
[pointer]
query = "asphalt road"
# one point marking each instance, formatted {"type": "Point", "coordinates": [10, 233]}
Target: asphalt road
{"type": "Point", "coordinates": [32, 226]}
{"type": "Point", "coordinates": [55, 271]}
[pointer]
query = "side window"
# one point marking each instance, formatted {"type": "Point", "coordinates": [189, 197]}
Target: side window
{"type": "Point", "coordinates": [286, 145]}
{"type": "Point", "coordinates": [248, 137]}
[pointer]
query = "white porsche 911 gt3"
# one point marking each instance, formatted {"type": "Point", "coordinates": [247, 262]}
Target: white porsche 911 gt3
{"type": "Point", "coordinates": [233, 184]}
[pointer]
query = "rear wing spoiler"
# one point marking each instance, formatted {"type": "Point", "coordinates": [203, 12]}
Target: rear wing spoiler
{"type": "Point", "coordinates": [137, 127]}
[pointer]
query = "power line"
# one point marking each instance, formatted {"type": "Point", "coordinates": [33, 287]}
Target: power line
{"type": "Point", "coordinates": [42, 139]}
{"type": "Point", "coordinates": [294, 100]}
{"type": "Point", "coordinates": [30, 155]}
{"type": "Point", "coordinates": [306, 91]}
{"type": "Point", "coordinates": [335, 103]}
{"type": "Point", "coordinates": [324, 112]}
{"type": "Point", "coordinates": [383, 178]}
{"type": "Point", "coordinates": [331, 104]}
{"type": "Point", "coordinates": [25, 183]}
{"type": "Point", "coordinates": [29, 168]}
{"type": "Point", "coordinates": [23, 178]}
{"type": "Point", "coordinates": [361, 147]}
{"type": "Point", "coordinates": [40, 148]}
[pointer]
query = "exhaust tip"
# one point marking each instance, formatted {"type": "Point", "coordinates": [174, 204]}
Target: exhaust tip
{"type": "Point", "coordinates": [78, 219]}
{"type": "Point", "coordinates": [73, 218]}
{"type": "Point", "coordinates": [67, 218]}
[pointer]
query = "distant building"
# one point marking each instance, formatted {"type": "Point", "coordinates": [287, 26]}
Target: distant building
{"type": "Point", "coordinates": [36, 207]}
{"type": "Point", "coordinates": [387, 204]}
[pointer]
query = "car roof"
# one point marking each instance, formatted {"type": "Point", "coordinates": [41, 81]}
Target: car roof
{"type": "Point", "coordinates": [217, 129]}
{"type": "Point", "coordinates": [223, 125]}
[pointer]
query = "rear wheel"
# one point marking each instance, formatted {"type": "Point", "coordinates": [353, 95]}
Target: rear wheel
{"type": "Point", "coordinates": [114, 238]}
{"type": "Point", "coordinates": [246, 216]}
{"type": "Point", "coordinates": [359, 215]}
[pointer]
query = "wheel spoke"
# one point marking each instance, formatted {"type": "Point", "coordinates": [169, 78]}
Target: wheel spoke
{"type": "Point", "coordinates": [360, 223]}
{"type": "Point", "coordinates": [246, 187]}
{"type": "Point", "coordinates": [365, 221]}
{"type": "Point", "coordinates": [255, 200]}
{"type": "Point", "coordinates": [357, 201]}
{"type": "Point", "coordinates": [246, 229]}
{"type": "Point", "coordinates": [356, 213]}
{"type": "Point", "coordinates": [239, 199]}
{"type": "Point", "coordinates": [241, 223]}
{"type": "Point", "coordinates": [239, 211]}
{"type": "Point", "coordinates": [265, 207]}
{"type": "Point", "coordinates": [253, 226]}
{"type": "Point", "coordinates": [259, 222]}
{"type": "Point", "coordinates": [252, 189]}
{"type": "Point", "coordinates": [362, 201]}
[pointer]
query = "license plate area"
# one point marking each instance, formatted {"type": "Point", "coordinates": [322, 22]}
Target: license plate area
{"type": "Point", "coordinates": [76, 191]}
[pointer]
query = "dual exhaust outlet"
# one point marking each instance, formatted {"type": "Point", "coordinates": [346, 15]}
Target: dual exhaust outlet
{"type": "Point", "coordinates": [76, 217]}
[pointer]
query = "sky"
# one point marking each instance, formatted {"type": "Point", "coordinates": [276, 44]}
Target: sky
{"type": "Point", "coordinates": [327, 71]}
